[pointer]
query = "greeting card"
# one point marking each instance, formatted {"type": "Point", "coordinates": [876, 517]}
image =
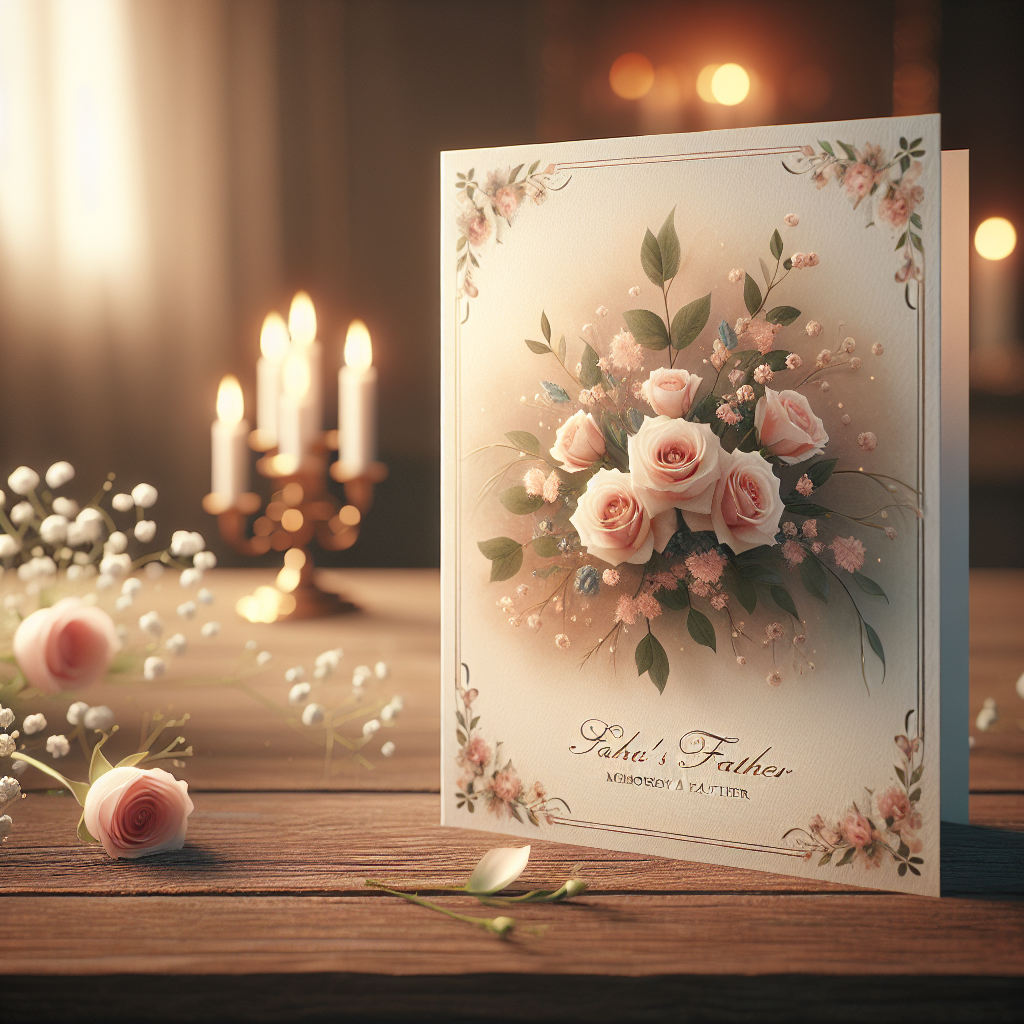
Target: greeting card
{"type": "Point", "coordinates": [690, 495]}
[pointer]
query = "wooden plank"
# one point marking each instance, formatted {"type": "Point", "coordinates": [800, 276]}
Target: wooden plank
{"type": "Point", "coordinates": [330, 843]}
{"type": "Point", "coordinates": [622, 935]}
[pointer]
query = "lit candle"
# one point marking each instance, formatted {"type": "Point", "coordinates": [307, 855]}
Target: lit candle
{"type": "Point", "coordinates": [302, 328]}
{"type": "Point", "coordinates": [230, 462]}
{"type": "Point", "coordinates": [274, 346]}
{"type": "Point", "coordinates": [357, 401]}
{"type": "Point", "coordinates": [294, 424]}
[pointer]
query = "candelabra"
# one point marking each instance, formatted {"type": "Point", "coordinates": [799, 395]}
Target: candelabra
{"type": "Point", "coordinates": [300, 511]}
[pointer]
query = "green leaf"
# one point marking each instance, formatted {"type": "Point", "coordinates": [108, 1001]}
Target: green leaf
{"type": "Point", "coordinates": [801, 507]}
{"type": "Point", "coordinates": [79, 789]}
{"type": "Point", "coordinates": [538, 347]}
{"type": "Point", "coordinates": [869, 586]}
{"type": "Point", "coordinates": [776, 244]}
{"type": "Point", "coordinates": [651, 658]}
{"type": "Point", "coordinates": [518, 502]}
{"type": "Point", "coordinates": [506, 567]}
{"type": "Point", "coordinates": [650, 259]}
{"type": "Point", "coordinates": [915, 796]}
{"type": "Point", "coordinates": [514, 173]}
{"type": "Point", "coordinates": [903, 142]}
{"type": "Point", "coordinates": [701, 629]}
{"type": "Point", "coordinates": [727, 335]}
{"type": "Point", "coordinates": [784, 315]}
{"type": "Point", "coordinates": [825, 858]}
{"type": "Point", "coordinates": [821, 471]}
{"type": "Point", "coordinates": [915, 219]}
{"type": "Point", "coordinates": [751, 567]}
{"type": "Point", "coordinates": [561, 349]}
{"type": "Point", "coordinates": [751, 294]}
{"type": "Point", "coordinates": [915, 143]}
{"type": "Point", "coordinates": [746, 593]}
{"type": "Point", "coordinates": [590, 372]}
{"type": "Point", "coordinates": [546, 547]}
{"type": "Point", "coordinates": [555, 392]}
{"type": "Point", "coordinates": [498, 547]}
{"type": "Point", "coordinates": [918, 772]}
{"type": "Point", "coordinates": [689, 321]}
{"type": "Point", "coordinates": [901, 240]}
{"type": "Point", "coordinates": [675, 600]}
{"type": "Point", "coordinates": [524, 441]}
{"type": "Point", "coordinates": [918, 244]}
{"type": "Point", "coordinates": [545, 327]}
{"type": "Point", "coordinates": [98, 764]}
{"type": "Point", "coordinates": [533, 167]}
{"type": "Point", "coordinates": [83, 832]}
{"type": "Point", "coordinates": [848, 856]}
{"type": "Point", "coordinates": [647, 328]}
{"type": "Point", "coordinates": [782, 597]}
{"type": "Point", "coordinates": [668, 241]}
{"type": "Point", "coordinates": [826, 147]}
{"type": "Point", "coordinates": [900, 775]}
{"type": "Point", "coordinates": [876, 646]}
{"type": "Point", "coordinates": [847, 149]}
{"type": "Point", "coordinates": [814, 577]}
{"type": "Point", "coordinates": [132, 759]}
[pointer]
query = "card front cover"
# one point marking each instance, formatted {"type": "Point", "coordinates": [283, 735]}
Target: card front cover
{"type": "Point", "coordinates": [690, 499]}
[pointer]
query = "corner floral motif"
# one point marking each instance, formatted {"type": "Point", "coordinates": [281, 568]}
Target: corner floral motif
{"type": "Point", "coordinates": [489, 209]}
{"type": "Point", "coordinates": [884, 825]}
{"type": "Point", "coordinates": [485, 778]}
{"type": "Point", "coordinates": [886, 189]}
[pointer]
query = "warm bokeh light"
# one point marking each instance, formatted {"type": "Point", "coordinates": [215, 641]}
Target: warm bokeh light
{"type": "Point", "coordinates": [358, 348]}
{"type": "Point", "coordinates": [230, 404]}
{"type": "Point", "coordinates": [302, 319]}
{"type": "Point", "coordinates": [704, 82]}
{"type": "Point", "coordinates": [666, 91]}
{"type": "Point", "coordinates": [730, 85]}
{"type": "Point", "coordinates": [274, 337]}
{"type": "Point", "coordinates": [995, 238]}
{"type": "Point", "coordinates": [296, 376]}
{"type": "Point", "coordinates": [265, 605]}
{"type": "Point", "coordinates": [631, 76]}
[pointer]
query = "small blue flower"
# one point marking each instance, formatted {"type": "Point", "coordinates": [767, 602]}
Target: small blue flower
{"type": "Point", "coordinates": [588, 581]}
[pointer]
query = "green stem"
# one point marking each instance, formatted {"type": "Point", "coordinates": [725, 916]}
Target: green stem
{"type": "Point", "coordinates": [486, 923]}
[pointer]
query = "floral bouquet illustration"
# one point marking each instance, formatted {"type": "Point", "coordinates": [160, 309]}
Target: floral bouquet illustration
{"type": "Point", "coordinates": [696, 490]}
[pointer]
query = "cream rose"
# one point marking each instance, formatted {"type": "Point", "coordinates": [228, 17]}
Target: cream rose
{"type": "Point", "coordinates": [670, 392]}
{"type": "Point", "coordinates": [746, 506]}
{"type": "Point", "coordinates": [612, 523]}
{"type": "Point", "coordinates": [674, 464]}
{"type": "Point", "coordinates": [66, 646]}
{"type": "Point", "coordinates": [579, 442]}
{"type": "Point", "coordinates": [788, 427]}
{"type": "Point", "coordinates": [135, 812]}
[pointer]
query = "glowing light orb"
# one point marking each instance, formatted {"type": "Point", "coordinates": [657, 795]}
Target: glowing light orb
{"type": "Point", "coordinates": [730, 85]}
{"type": "Point", "coordinates": [631, 76]}
{"type": "Point", "coordinates": [995, 238]}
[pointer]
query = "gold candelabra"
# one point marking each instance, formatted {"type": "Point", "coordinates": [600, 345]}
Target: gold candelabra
{"type": "Point", "coordinates": [300, 511]}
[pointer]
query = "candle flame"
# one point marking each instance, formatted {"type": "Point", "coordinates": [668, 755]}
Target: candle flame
{"type": "Point", "coordinates": [230, 404]}
{"type": "Point", "coordinates": [296, 376]}
{"type": "Point", "coordinates": [358, 348]}
{"type": "Point", "coordinates": [302, 319]}
{"type": "Point", "coordinates": [274, 337]}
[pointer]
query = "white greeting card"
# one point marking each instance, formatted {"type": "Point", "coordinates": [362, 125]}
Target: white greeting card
{"type": "Point", "coordinates": [690, 496]}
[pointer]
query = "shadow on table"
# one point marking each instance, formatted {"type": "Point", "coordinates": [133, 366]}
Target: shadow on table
{"type": "Point", "coordinates": [982, 862]}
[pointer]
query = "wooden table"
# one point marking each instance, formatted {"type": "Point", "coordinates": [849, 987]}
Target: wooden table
{"type": "Point", "coordinates": [264, 915]}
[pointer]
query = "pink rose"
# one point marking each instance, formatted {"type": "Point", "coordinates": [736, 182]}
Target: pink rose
{"type": "Point", "coordinates": [476, 227]}
{"type": "Point", "coordinates": [858, 180]}
{"type": "Point", "coordinates": [674, 464]}
{"type": "Point", "coordinates": [746, 506]}
{"type": "Point", "coordinates": [612, 523]}
{"type": "Point", "coordinates": [506, 786]}
{"type": "Point", "coordinates": [788, 427]}
{"type": "Point", "coordinates": [856, 830]}
{"type": "Point", "coordinates": [894, 804]}
{"type": "Point", "coordinates": [135, 812]}
{"type": "Point", "coordinates": [671, 392]}
{"type": "Point", "coordinates": [893, 209]}
{"type": "Point", "coordinates": [477, 752]}
{"type": "Point", "coordinates": [65, 646]}
{"type": "Point", "coordinates": [506, 202]}
{"type": "Point", "coordinates": [579, 442]}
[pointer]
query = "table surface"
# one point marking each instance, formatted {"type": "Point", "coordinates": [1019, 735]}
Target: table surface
{"type": "Point", "coordinates": [270, 884]}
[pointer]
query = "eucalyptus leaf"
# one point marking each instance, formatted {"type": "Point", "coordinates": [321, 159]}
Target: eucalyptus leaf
{"type": "Point", "coordinates": [727, 335]}
{"type": "Point", "coordinates": [751, 294]}
{"type": "Point", "coordinates": [647, 328]}
{"type": "Point", "coordinates": [555, 392]}
{"type": "Point", "coordinates": [561, 349]}
{"type": "Point", "coordinates": [650, 259]}
{"type": "Point", "coordinates": [635, 418]}
{"type": "Point", "coordinates": [690, 320]}
{"type": "Point", "coordinates": [524, 441]}
{"type": "Point", "coordinates": [518, 502]}
{"type": "Point", "coordinates": [538, 347]}
{"type": "Point", "coordinates": [545, 327]}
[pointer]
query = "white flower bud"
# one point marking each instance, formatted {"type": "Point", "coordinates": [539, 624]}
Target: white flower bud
{"type": "Point", "coordinates": [312, 714]}
{"type": "Point", "coordinates": [131, 586]}
{"type": "Point", "coordinates": [23, 512]}
{"type": "Point", "coordinates": [57, 745]}
{"type": "Point", "coordinates": [370, 727]}
{"type": "Point", "coordinates": [154, 570]}
{"type": "Point", "coordinates": [6, 824]}
{"type": "Point", "coordinates": [203, 560]}
{"type": "Point", "coordinates": [59, 474]}
{"type": "Point", "coordinates": [298, 693]}
{"type": "Point", "coordinates": [187, 609]}
{"type": "Point", "coordinates": [77, 712]}
{"type": "Point", "coordinates": [381, 670]}
{"type": "Point", "coordinates": [388, 749]}
{"type": "Point", "coordinates": [53, 530]}
{"type": "Point", "coordinates": [122, 502]}
{"type": "Point", "coordinates": [210, 628]}
{"type": "Point", "coordinates": [23, 480]}
{"type": "Point", "coordinates": [144, 495]}
{"type": "Point", "coordinates": [185, 544]}
{"type": "Point", "coordinates": [205, 596]}
{"type": "Point", "coordinates": [18, 767]}
{"type": "Point", "coordinates": [8, 546]}
{"type": "Point", "coordinates": [33, 724]}
{"type": "Point", "coordinates": [6, 718]}
{"type": "Point", "coordinates": [153, 667]}
{"type": "Point", "coordinates": [10, 790]}
{"type": "Point", "coordinates": [263, 657]}
{"type": "Point", "coordinates": [65, 507]}
{"type": "Point", "coordinates": [104, 580]}
{"type": "Point", "coordinates": [116, 543]}
{"type": "Point", "coordinates": [177, 643]}
{"type": "Point", "coordinates": [99, 717]}
{"type": "Point", "coordinates": [294, 674]}
{"type": "Point", "coordinates": [8, 745]}
{"type": "Point", "coordinates": [397, 702]}
{"type": "Point", "coordinates": [190, 577]}
{"type": "Point", "coordinates": [145, 530]}
{"type": "Point", "coordinates": [116, 565]}
{"type": "Point", "coordinates": [150, 623]}
{"type": "Point", "coordinates": [387, 713]}
{"type": "Point", "coordinates": [123, 602]}
{"type": "Point", "coordinates": [360, 674]}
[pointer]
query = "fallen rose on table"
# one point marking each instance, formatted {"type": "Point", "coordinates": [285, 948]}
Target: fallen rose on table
{"type": "Point", "coordinates": [495, 871]}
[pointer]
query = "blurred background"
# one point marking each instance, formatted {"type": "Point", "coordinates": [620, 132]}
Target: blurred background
{"type": "Point", "coordinates": [172, 170]}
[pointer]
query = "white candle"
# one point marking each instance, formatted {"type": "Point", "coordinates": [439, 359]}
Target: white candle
{"type": "Point", "coordinates": [295, 426]}
{"type": "Point", "coordinates": [357, 401]}
{"type": "Point", "coordinates": [302, 328]}
{"type": "Point", "coordinates": [274, 346]}
{"type": "Point", "coordinates": [230, 462]}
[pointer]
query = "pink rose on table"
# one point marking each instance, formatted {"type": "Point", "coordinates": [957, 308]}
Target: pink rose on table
{"type": "Point", "coordinates": [579, 442]}
{"type": "Point", "coordinates": [746, 506]}
{"type": "Point", "coordinates": [674, 464]}
{"type": "Point", "coordinates": [65, 646]}
{"type": "Point", "coordinates": [856, 830]}
{"type": "Point", "coordinates": [788, 427]}
{"type": "Point", "coordinates": [670, 392]}
{"type": "Point", "coordinates": [135, 812]}
{"type": "Point", "coordinates": [612, 523]}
